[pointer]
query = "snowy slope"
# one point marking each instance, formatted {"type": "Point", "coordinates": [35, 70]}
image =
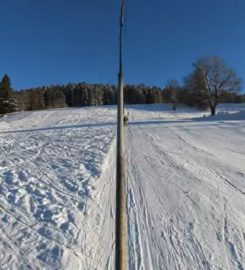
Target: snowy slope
{"type": "Point", "coordinates": [186, 195]}
{"type": "Point", "coordinates": [186, 188]}
{"type": "Point", "coordinates": [50, 212]}
{"type": "Point", "coordinates": [186, 192]}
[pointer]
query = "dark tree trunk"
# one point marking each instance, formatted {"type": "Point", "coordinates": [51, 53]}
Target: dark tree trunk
{"type": "Point", "coordinates": [213, 110]}
{"type": "Point", "coordinates": [174, 106]}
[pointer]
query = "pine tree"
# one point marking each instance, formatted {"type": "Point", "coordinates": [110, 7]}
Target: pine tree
{"type": "Point", "coordinates": [8, 102]}
{"type": "Point", "coordinates": [54, 98]}
{"type": "Point", "coordinates": [85, 97]}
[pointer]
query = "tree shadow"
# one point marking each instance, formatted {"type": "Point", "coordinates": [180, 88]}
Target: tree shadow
{"type": "Point", "coordinates": [219, 118]}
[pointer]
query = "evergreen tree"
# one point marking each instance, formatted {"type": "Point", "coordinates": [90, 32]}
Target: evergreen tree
{"type": "Point", "coordinates": [108, 95]}
{"type": "Point", "coordinates": [54, 98]}
{"type": "Point", "coordinates": [171, 93]}
{"type": "Point", "coordinates": [36, 100]}
{"type": "Point", "coordinates": [8, 102]}
{"type": "Point", "coordinates": [85, 97]}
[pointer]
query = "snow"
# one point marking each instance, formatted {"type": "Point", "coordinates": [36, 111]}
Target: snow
{"type": "Point", "coordinates": [185, 194]}
{"type": "Point", "coordinates": [49, 168]}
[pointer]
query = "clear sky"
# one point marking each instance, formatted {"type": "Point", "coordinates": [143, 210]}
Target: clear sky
{"type": "Point", "coordinates": [59, 41]}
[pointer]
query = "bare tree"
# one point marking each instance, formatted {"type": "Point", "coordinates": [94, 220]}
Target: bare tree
{"type": "Point", "coordinates": [211, 78]}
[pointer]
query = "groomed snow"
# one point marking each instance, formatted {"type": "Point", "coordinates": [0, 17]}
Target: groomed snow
{"type": "Point", "coordinates": [186, 192]}
{"type": "Point", "coordinates": [186, 188]}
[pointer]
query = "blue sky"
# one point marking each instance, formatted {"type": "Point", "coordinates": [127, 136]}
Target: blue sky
{"type": "Point", "coordinates": [60, 41]}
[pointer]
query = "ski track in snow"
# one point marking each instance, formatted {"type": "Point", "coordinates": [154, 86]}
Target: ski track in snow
{"type": "Point", "coordinates": [185, 189]}
{"type": "Point", "coordinates": [52, 201]}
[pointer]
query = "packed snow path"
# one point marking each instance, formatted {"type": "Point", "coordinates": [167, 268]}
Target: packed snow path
{"type": "Point", "coordinates": [186, 194]}
{"type": "Point", "coordinates": [186, 189]}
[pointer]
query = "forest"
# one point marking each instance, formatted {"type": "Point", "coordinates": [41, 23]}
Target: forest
{"type": "Point", "coordinates": [210, 83]}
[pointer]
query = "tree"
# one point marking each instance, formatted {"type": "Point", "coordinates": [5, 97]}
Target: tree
{"type": "Point", "coordinates": [36, 100]}
{"type": "Point", "coordinates": [54, 98]}
{"type": "Point", "coordinates": [210, 79]}
{"type": "Point", "coordinates": [171, 93]}
{"type": "Point", "coordinates": [108, 95]}
{"type": "Point", "coordinates": [8, 102]}
{"type": "Point", "coordinates": [153, 95]}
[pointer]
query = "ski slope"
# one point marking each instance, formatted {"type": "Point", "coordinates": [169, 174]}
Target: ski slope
{"type": "Point", "coordinates": [185, 194]}
{"type": "Point", "coordinates": [52, 206]}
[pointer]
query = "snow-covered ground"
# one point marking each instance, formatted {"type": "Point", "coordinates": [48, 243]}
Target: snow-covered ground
{"type": "Point", "coordinates": [51, 202]}
{"type": "Point", "coordinates": [186, 188]}
{"type": "Point", "coordinates": [186, 194]}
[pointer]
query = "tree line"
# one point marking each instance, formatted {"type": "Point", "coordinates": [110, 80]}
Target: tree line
{"type": "Point", "coordinates": [210, 83]}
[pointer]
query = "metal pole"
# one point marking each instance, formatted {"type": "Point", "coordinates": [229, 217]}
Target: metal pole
{"type": "Point", "coordinates": [121, 260]}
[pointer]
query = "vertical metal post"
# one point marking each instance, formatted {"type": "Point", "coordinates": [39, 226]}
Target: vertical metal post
{"type": "Point", "coordinates": [121, 260]}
